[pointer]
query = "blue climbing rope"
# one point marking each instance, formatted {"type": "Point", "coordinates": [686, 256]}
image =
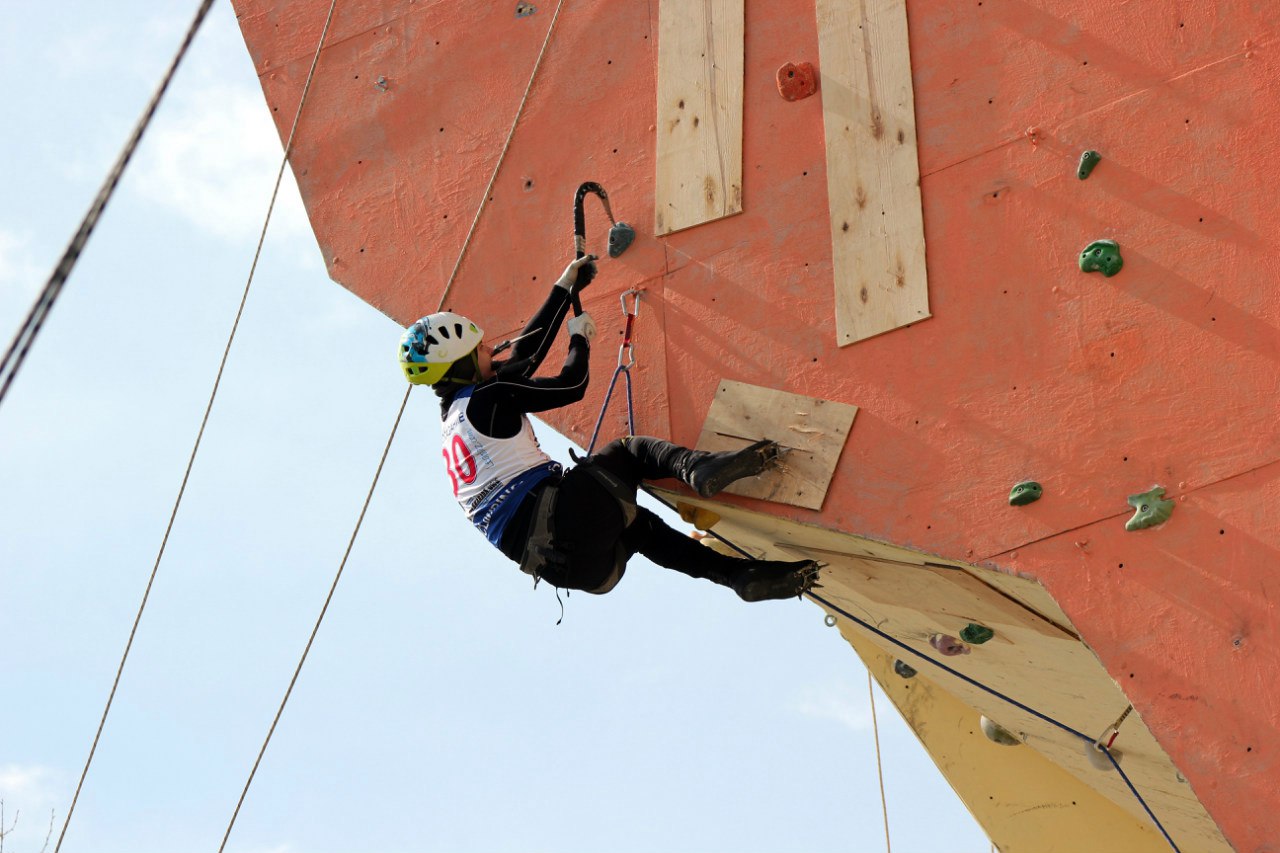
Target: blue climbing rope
{"type": "Point", "coordinates": [1092, 742]}
{"type": "Point", "coordinates": [626, 361]}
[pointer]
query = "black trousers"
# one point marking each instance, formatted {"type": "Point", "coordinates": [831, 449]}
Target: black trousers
{"type": "Point", "coordinates": [589, 523]}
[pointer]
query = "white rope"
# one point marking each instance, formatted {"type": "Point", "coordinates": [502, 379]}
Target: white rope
{"type": "Point", "coordinates": [391, 438]}
{"type": "Point", "coordinates": [484, 199]}
{"type": "Point", "coordinates": [875, 727]}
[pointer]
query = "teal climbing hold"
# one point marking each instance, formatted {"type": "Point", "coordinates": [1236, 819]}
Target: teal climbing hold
{"type": "Point", "coordinates": [621, 235]}
{"type": "Point", "coordinates": [1150, 508]}
{"type": "Point", "coordinates": [1028, 491]}
{"type": "Point", "coordinates": [1102, 256]}
{"type": "Point", "coordinates": [1088, 160]}
{"type": "Point", "coordinates": [976, 634]}
{"type": "Point", "coordinates": [904, 669]}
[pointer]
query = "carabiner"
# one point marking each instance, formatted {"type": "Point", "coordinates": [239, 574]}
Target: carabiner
{"type": "Point", "coordinates": [626, 352]}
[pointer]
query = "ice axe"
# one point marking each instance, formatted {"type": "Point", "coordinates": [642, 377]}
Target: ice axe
{"type": "Point", "coordinates": [620, 234]}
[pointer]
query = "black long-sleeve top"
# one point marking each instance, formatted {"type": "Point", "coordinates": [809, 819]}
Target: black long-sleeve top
{"type": "Point", "coordinates": [498, 405]}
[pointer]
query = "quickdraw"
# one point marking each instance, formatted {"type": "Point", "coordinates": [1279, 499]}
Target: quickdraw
{"type": "Point", "coordinates": [626, 360]}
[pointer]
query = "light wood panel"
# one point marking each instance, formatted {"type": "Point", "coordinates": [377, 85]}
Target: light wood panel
{"type": "Point", "coordinates": [811, 432]}
{"type": "Point", "coordinates": [909, 596]}
{"type": "Point", "coordinates": [1022, 800]}
{"type": "Point", "coordinates": [873, 176]}
{"type": "Point", "coordinates": [699, 126]}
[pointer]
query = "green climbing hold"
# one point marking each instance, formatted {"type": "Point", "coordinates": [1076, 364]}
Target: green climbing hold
{"type": "Point", "coordinates": [1088, 160]}
{"type": "Point", "coordinates": [904, 669]}
{"type": "Point", "coordinates": [976, 634]}
{"type": "Point", "coordinates": [1025, 492]}
{"type": "Point", "coordinates": [1102, 256]}
{"type": "Point", "coordinates": [1151, 508]}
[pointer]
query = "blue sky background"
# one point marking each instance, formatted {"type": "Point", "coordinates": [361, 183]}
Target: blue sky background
{"type": "Point", "coordinates": [441, 709]}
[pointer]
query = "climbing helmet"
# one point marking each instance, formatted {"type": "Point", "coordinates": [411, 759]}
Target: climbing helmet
{"type": "Point", "coordinates": [430, 346]}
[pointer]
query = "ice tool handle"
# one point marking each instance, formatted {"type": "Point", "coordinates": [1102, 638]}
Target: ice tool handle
{"type": "Point", "coordinates": [620, 234]}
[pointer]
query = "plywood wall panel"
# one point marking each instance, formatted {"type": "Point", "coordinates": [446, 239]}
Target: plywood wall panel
{"type": "Point", "coordinates": [699, 126]}
{"type": "Point", "coordinates": [873, 178]}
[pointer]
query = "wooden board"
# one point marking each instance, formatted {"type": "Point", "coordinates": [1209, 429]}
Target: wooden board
{"type": "Point", "coordinates": [1020, 798]}
{"type": "Point", "coordinates": [812, 433]}
{"type": "Point", "coordinates": [1029, 592]}
{"type": "Point", "coordinates": [1030, 660]}
{"type": "Point", "coordinates": [699, 126]}
{"type": "Point", "coordinates": [1146, 763]}
{"type": "Point", "coordinates": [873, 176]}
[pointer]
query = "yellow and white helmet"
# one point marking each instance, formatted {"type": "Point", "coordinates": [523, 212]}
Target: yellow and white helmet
{"type": "Point", "coordinates": [430, 346]}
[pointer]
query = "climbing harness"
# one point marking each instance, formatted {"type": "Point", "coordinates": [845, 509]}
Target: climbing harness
{"type": "Point", "coordinates": [1089, 741]}
{"type": "Point", "coordinates": [626, 361]}
{"type": "Point", "coordinates": [540, 551]}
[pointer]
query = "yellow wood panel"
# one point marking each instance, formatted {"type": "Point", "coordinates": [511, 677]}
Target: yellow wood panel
{"type": "Point", "coordinates": [1031, 660]}
{"type": "Point", "coordinates": [811, 432]}
{"type": "Point", "coordinates": [699, 127]}
{"type": "Point", "coordinates": [1024, 802]}
{"type": "Point", "coordinates": [873, 175]}
{"type": "Point", "coordinates": [1144, 761]}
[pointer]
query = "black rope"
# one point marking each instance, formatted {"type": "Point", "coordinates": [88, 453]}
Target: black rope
{"type": "Point", "coordinates": [21, 345]}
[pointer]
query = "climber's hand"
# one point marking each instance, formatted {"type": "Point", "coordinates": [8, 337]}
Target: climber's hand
{"type": "Point", "coordinates": [582, 325]}
{"type": "Point", "coordinates": [578, 274]}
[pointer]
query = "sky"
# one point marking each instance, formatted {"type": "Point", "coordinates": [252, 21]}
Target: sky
{"type": "Point", "coordinates": [441, 707]}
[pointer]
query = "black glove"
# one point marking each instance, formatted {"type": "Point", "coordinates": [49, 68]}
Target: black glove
{"type": "Point", "coordinates": [586, 275]}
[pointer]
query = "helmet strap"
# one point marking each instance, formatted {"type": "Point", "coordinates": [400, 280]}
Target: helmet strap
{"type": "Point", "coordinates": [464, 371]}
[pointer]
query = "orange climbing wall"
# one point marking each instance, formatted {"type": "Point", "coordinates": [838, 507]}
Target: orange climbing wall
{"type": "Point", "coordinates": [1099, 388]}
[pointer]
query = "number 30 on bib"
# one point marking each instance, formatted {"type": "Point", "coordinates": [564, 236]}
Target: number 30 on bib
{"type": "Point", "coordinates": [460, 463]}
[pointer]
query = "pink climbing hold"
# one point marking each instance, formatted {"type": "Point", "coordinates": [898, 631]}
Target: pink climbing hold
{"type": "Point", "coordinates": [797, 81]}
{"type": "Point", "coordinates": [948, 645]}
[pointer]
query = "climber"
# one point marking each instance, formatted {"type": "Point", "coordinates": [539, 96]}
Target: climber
{"type": "Point", "coordinates": [575, 528]}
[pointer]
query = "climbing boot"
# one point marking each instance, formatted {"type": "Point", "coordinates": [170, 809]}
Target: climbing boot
{"type": "Point", "coordinates": [711, 473]}
{"type": "Point", "coordinates": [765, 580]}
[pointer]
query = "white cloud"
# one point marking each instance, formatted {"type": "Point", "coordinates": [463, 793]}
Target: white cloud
{"type": "Point", "coordinates": [28, 805]}
{"type": "Point", "coordinates": [212, 158]}
{"type": "Point", "coordinates": [841, 703]}
{"type": "Point", "coordinates": [24, 781]}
